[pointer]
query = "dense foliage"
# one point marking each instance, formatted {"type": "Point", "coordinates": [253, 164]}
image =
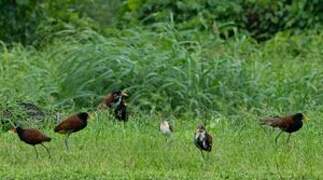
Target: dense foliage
{"type": "Point", "coordinates": [261, 19]}
{"type": "Point", "coordinates": [31, 22]}
{"type": "Point", "coordinates": [37, 22]}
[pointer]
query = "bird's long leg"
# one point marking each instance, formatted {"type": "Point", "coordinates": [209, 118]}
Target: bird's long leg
{"type": "Point", "coordinates": [36, 152]}
{"type": "Point", "coordinates": [166, 138]}
{"type": "Point", "coordinates": [99, 127]}
{"type": "Point", "coordinates": [124, 128]}
{"type": "Point", "coordinates": [46, 150]}
{"type": "Point", "coordinates": [202, 155]}
{"type": "Point", "coordinates": [209, 155]}
{"type": "Point", "coordinates": [278, 136]}
{"type": "Point", "coordinates": [288, 138]}
{"type": "Point", "coordinates": [66, 140]}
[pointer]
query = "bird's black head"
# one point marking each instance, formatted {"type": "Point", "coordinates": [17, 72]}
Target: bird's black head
{"type": "Point", "coordinates": [83, 115]}
{"type": "Point", "coordinates": [18, 129]}
{"type": "Point", "coordinates": [116, 92]}
{"type": "Point", "coordinates": [118, 96]}
{"type": "Point", "coordinates": [298, 116]}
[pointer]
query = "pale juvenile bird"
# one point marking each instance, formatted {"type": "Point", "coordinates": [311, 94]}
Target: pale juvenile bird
{"type": "Point", "coordinates": [165, 128]}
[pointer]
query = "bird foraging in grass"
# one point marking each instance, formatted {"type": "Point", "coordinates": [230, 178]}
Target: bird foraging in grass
{"type": "Point", "coordinates": [33, 137]}
{"type": "Point", "coordinates": [113, 99]}
{"type": "Point", "coordinates": [120, 112]}
{"type": "Point", "coordinates": [288, 124]}
{"type": "Point", "coordinates": [120, 106]}
{"type": "Point", "coordinates": [116, 100]}
{"type": "Point", "coordinates": [202, 139]}
{"type": "Point", "coordinates": [166, 129]}
{"type": "Point", "coordinates": [71, 125]}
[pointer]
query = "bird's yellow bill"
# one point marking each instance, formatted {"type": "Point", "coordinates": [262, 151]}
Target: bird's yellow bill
{"type": "Point", "coordinates": [124, 94]}
{"type": "Point", "coordinates": [306, 118]}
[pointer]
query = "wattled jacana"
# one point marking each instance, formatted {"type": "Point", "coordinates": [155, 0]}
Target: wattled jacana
{"type": "Point", "coordinates": [71, 125]}
{"type": "Point", "coordinates": [120, 111]}
{"type": "Point", "coordinates": [289, 124]}
{"type": "Point", "coordinates": [33, 137]}
{"type": "Point", "coordinates": [116, 100]}
{"type": "Point", "coordinates": [202, 139]}
{"type": "Point", "coordinates": [113, 99]}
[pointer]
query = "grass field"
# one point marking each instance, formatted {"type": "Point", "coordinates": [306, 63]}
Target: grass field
{"type": "Point", "coordinates": [191, 75]}
{"type": "Point", "coordinates": [107, 150]}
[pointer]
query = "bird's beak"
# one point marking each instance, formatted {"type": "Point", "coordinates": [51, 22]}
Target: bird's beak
{"type": "Point", "coordinates": [12, 130]}
{"type": "Point", "coordinates": [306, 118]}
{"type": "Point", "coordinates": [124, 94]}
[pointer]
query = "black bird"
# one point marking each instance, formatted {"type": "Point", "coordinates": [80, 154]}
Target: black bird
{"type": "Point", "coordinates": [202, 139]}
{"type": "Point", "coordinates": [120, 111]}
{"type": "Point", "coordinates": [33, 137]}
{"type": "Point", "coordinates": [289, 124]}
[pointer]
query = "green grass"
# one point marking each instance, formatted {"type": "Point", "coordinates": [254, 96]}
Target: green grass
{"type": "Point", "coordinates": [192, 75]}
{"type": "Point", "coordinates": [106, 150]}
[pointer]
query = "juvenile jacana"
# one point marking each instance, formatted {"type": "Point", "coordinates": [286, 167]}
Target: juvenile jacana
{"type": "Point", "coordinates": [289, 124]}
{"type": "Point", "coordinates": [202, 139]}
{"type": "Point", "coordinates": [113, 99]}
{"type": "Point", "coordinates": [33, 137]}
{"type": "Point", "coordinates": [165, 128]}
{"type": "Point", "coordinates": [71, 125]}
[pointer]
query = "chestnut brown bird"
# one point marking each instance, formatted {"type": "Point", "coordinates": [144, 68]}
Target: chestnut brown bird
{"type": "Point", "coordinates": [202, 139]}
{"type": "Point", "coordinates": [289, 124]}
{"type": "Point", "coordinates": [113, 99]}
{"type": "Point", "coordinates": [71, 125]}
{"type": "Point", "coordinates": [33, 137]}
{"type": "Point", "coordinates": [165, 128]}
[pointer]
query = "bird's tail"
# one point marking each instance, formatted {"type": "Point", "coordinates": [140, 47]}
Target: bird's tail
{"type": "Point", "coordinates": [274, 122]}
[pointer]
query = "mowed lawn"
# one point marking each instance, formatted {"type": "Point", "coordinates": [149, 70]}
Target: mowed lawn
{"type": "Point", "coordinates": [105, 150]}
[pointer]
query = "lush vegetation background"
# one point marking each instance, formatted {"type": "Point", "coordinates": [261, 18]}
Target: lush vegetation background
{"type": "Point", "coordinates": [226, 63]}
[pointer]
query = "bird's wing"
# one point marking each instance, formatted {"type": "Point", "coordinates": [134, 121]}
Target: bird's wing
{"type": "Point", "coordinates": [68, 124]}
{"type": "Point", "coordinates": [36, 135]}
{"type": "Point", "coordinates": [209, 139]}
{"type": "Point", "coordinates": [108, 100]}
{"type": "Point", "coordinates": [281, 122]}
